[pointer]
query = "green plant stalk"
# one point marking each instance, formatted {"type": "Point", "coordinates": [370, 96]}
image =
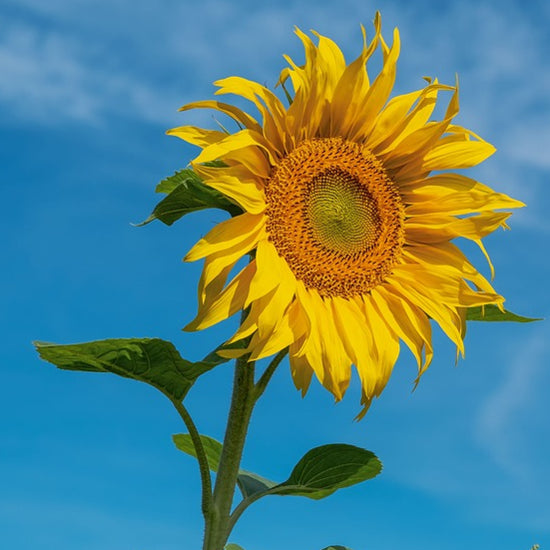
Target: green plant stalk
{"type": "Point", "coordinates": [217, 520]}
{"type": "Point", "coordinates": [206, 480]}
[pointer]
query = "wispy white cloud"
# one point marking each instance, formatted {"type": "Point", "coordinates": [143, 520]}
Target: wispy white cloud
{"type": "Point", "coordinates": [41, 78]}
{"type": "Point", "coordinates": [48, 78]}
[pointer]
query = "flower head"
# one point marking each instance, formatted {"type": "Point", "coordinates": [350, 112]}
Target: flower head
{"type": "Point", "coordinates": [350, 227]}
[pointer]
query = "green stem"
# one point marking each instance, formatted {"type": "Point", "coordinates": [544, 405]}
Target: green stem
{"type": "Point", "coordinates": [204, 469]}
{"type": "Point", "coordinates": [242, 404]}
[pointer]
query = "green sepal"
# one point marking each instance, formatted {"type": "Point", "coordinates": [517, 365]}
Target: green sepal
{"type": "Point", "coordinates": [491, 313]}
{"type": "Point", "coordinates": [249, 483]}
{"type": "Point", "coordinates": [233, 546]}
{"type": "Point", "coordinates": [187, 193]}
{"type": "Point", "coordinates": [323, 470]}
{"type": "Point", "coordinates": [150, 360]}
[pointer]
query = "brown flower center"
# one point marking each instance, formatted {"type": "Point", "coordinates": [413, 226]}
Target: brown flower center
{"type": "Point", "coordinates": [335, 216]}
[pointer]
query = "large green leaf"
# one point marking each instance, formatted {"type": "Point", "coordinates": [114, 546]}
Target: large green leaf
{"type": "Point", "coordinates": [249, 483]}
{"type": "Point", "coordinates": [187, 193]}
{"type": "Point", "coordinates": [325, 469]}
{"type": "Point", "coordinates": [149, 360]}
{"type": "Point", "coordinates": [492, 313]}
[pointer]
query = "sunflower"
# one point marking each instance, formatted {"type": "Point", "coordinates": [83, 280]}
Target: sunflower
{"type": "Point", "coordinates": [348, 214]}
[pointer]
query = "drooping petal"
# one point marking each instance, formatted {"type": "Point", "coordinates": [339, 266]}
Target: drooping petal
{"type": "Point", "coordinates": [431, 302]}
{"type": "Point", "coordinates": [218, 266]}
{"type": "Point", "coordinates": [409, 322]}
{"type": "Point", "coordinates": [270, 272]}
{"type": "Point", "coordinates": [300, 369]}
{"type": "Point", "coordinates": [228, 302]}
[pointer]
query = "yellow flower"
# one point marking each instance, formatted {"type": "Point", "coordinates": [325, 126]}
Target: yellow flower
{"type": "Point", "coordinates": [350, 231]}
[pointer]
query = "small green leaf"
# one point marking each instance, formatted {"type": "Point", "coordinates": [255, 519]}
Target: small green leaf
{"type": "Point", "coordinates": [249, 482]}
{"type": "Point", "coordinates": [212, 448]}
{"type": "Point", "coordinates": [149, 360]}
{"type": "Point", "coordinates": [187, 193]}
{"type": "Point", "coordinates": [325, 469]}
{"type": "Point", "coordinates": [233, 546]}
{"type": "Point", "coordinates": [168, 184]}
{"type": "Point", "coordinates": [491, 313]}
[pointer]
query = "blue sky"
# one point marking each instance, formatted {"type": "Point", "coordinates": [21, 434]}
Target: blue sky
{"type": "Point", "coordinates": [87, 90]}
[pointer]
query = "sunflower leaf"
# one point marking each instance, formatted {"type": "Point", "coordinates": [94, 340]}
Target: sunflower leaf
{"type": "Point", "coordinates": [491, 313]}
{"type": "Point", "coordinates": [249, 483]}
{"type": "Point", "coordinates": [187, 193]}
{"type": "Point", "coordinates": [253, 484]}
{"type": "Point", "coordinates": [168, 184]}
{"type": "Point", "coordinates": [325, 469]}
{"type": "Point", "coordinates": [149, 360]}
{"type": "Point", "coordinates": [212, 448]}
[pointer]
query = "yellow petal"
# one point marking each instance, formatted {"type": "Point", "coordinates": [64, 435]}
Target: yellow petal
{"type": "Point", "coordinates": [246, 147]}
{"type": "Point", "coordinates": [227, 234]}
{"type": "Point", "coordinates": [385, 342]}
{"type": "Point", "coordinates": [234, 112]}
{"type": "Point", "coordinates": [301, 371]}
{"type": "Point", "coordinates": [454, 194]}
{"type": "Point", "coordinates": [406, 118]}
{"type": "Point", "coordinates": [271, 316]}
{"type": "Point", "coordinates": [214, 276]}
{"type": "Point", "coordinates": [455, 155]}
{"type": "Point", "coordinates": [280, 338]}
{"type": "Point", "coordinates": [448, 259]}
{"type": "Point", "coordinates": [435, 228]}
{"type": "Point", "coordinates": [405, 284]}
{"type": "Point", "coordinates": [231, 300]}
{"type": "Point", "coordinates": [267, 276]}
{"type": "Point", "coordinates": [392, 115]}
{"type": "Point", "coordinates": [247, 194]}
{"type": "Point", "coordinates": [273, 112]}
{"type": "Point", "coordinates": [378, 93]}
{"type": "Point", "coordinates": [409, 322]}
{"type": "Point", "coordinates": [419, 136]}
{"type": "Point", "coordinates": [218, 266]}
{"type": "Point", "coordinates": [311, 346]}
{"type": "Point", "coordinates": [350, 93]}
{"type": "Point", "coordinates": [445, 286]}
{"type": "Point", "coordinates": [337, 364]}
{"type": "Point", "coordinates": [332, 58]}
{"type": "Point", "coordinates": [197, 136]}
